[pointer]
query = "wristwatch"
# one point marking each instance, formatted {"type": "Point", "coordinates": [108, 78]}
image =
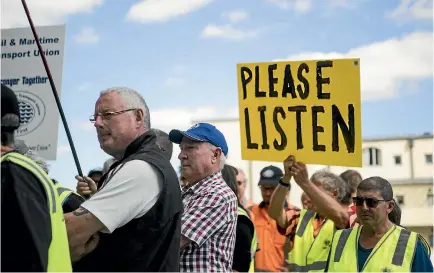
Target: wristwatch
{"type": "Point", "coordinates": [288, 185]}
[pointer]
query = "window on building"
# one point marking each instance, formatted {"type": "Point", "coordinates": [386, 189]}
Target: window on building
{"type": "Point", "coordinates": [372, 156]}
{"type": "Point", "coordinates": [397, 159]}
{"type": "Point", "coordinates": [429, 198]}
{"type": "Point", "coordinates": [400, 200]}
{"type": "Point", "coordinates": [428, 158]}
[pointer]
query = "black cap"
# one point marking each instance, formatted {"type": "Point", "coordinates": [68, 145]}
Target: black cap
{"type": "Point", "coordinates": [9, 106]}
{"type": "Point", "coordinates": [270, 175]}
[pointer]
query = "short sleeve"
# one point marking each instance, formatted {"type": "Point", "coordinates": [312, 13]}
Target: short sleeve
{"type": "Point", "coordinates": [130, 193]}
{"type": "Point", "coordinates": [72, 203]}
{"type": "Point", "coordinates": [206, 216]}
{"type": "Point", "coordinates": [421, 261]}
{"type": "Point", "coordinates": [292, 217]}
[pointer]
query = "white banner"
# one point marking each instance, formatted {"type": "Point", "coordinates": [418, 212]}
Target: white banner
{"type": "Point", "coordinates": [23, 71]}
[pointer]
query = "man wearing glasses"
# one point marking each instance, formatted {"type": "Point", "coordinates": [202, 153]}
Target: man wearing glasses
{"type": "Point", "coordinates": [378, 245]}
{"type": "Point", "coordinates": [135, 214]}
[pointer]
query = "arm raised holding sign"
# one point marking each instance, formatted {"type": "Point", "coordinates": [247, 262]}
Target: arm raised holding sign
{"type": "Point", "coordinates": [324, 189]}
{"type": "Point", "coordinates": [277, 202]}
{"type": "Point", "coordinates": [323, 192]}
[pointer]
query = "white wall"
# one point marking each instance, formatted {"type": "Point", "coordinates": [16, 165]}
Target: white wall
{"type": "Point", "coordinates": [420, 148]}
{"type": "Point", "coordinates": [387, 167]}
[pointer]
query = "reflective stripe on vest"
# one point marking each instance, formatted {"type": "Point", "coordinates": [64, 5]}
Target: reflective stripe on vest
{"type": "Point", "coordinates": [254, 245]}
{"type": "Point", "coordinates": [58, 253]}
{"type": "Point", "coordinates": [309, 253]}
{"type": "Point", "coordinates": [425, 244]}
{"type": "Point", "coordinates": [393, 253]}
{"type": "Point", "coordinates": [62, 192]}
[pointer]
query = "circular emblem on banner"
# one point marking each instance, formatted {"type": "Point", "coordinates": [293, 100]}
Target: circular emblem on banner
{"type": "Point", "coordinates": [32, 112]}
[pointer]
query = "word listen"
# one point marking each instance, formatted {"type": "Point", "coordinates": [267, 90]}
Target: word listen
{"type": "Point", "coordinates": [304, 102]}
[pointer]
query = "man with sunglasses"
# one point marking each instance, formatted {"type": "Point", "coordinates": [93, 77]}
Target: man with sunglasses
{"type": "Point", "coordinates": [310, 230]}
{"type": "Point", "coordinates": [378, 245]}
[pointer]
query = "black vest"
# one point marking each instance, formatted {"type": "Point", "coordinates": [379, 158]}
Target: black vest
{"type": "Point", "coordinates": [151, 242]}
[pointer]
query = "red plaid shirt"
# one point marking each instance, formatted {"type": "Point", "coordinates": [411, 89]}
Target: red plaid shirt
{"type": "Point", "coordinates": [209, 222]}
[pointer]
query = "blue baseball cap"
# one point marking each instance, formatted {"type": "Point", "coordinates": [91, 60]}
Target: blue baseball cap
{"type": "Point", "coordinates": [203, 132]}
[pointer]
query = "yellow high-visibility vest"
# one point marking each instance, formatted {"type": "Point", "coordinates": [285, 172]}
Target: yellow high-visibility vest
{"type": "Point", "coordinates": [59, 259]}
{"type": "Point", "coordinates": [393, 253]}
{"type": "Point", "coordinates": [309, 253]}
{"type": "Point", "coordinates": [254, 245]}
{"type": "Point", "coordinates": [63, 193]}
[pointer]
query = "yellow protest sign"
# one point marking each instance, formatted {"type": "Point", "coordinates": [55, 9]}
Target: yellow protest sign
{"type": "Point", "coordinates": [310, 109]}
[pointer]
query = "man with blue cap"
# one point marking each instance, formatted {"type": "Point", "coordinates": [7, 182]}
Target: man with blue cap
{"type": "Point", "coordinates": [210, 206]}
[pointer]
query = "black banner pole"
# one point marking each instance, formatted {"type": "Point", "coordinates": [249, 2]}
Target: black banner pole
{"type": "Point", "coordinates": [53, 88]}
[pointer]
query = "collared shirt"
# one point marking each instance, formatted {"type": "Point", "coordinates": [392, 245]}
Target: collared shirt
{"type": "Point", "coordinates": [273, 246]}
{"type": "Point", "coordinates": [209, 222]}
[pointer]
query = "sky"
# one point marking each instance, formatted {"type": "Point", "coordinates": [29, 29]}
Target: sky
{"type": "Point", "coordinates": [181, 55]}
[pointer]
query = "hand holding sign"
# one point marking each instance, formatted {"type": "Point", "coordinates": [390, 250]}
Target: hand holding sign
{"type": "Point", "coordinates": [300, 173]}
{"type": "Point", "coordinates": [287, 165]}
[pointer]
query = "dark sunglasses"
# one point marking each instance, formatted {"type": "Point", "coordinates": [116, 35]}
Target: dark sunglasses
{"type": "Point", "coordinates": [371, 202]}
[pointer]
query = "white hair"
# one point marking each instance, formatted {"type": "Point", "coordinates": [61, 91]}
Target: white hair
{"type": "Point", "coordinates": [23, 149]}
{"type": "Point", "coordinates": [330, 182]}
{"type": "Point", "coordinates": [132, 99]}
{"type": "Point", "coordinates": [222, 156]}
{"type": "Point", "coordinates": [38, 160]}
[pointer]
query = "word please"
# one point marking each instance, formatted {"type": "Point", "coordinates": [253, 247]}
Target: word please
{"type": "Point", "coordinates": [288, 87]}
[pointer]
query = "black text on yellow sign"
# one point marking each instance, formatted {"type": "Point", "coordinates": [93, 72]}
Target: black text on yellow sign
{"type": "Point", "coordinates": [310, 109]}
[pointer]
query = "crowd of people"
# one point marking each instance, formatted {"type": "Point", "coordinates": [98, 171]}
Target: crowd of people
{"type": "Point", "coordinates": [137, 214]}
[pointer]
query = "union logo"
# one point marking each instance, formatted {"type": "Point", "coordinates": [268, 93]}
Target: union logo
{"type": "Point", "coordinates": [32, 112]}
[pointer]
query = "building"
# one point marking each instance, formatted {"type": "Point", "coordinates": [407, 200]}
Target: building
{"type": "Point", "coordinates": [406, 161]}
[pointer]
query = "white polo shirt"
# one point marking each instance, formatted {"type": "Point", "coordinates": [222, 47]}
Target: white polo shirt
{"type": "Point", "coordinates": [130, 191]}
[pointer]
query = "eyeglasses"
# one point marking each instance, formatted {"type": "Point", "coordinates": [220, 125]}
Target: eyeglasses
{"type": "Point", "coordinates": [109, 115]}
{"type": "Point", "coordinates": [371, 202]}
